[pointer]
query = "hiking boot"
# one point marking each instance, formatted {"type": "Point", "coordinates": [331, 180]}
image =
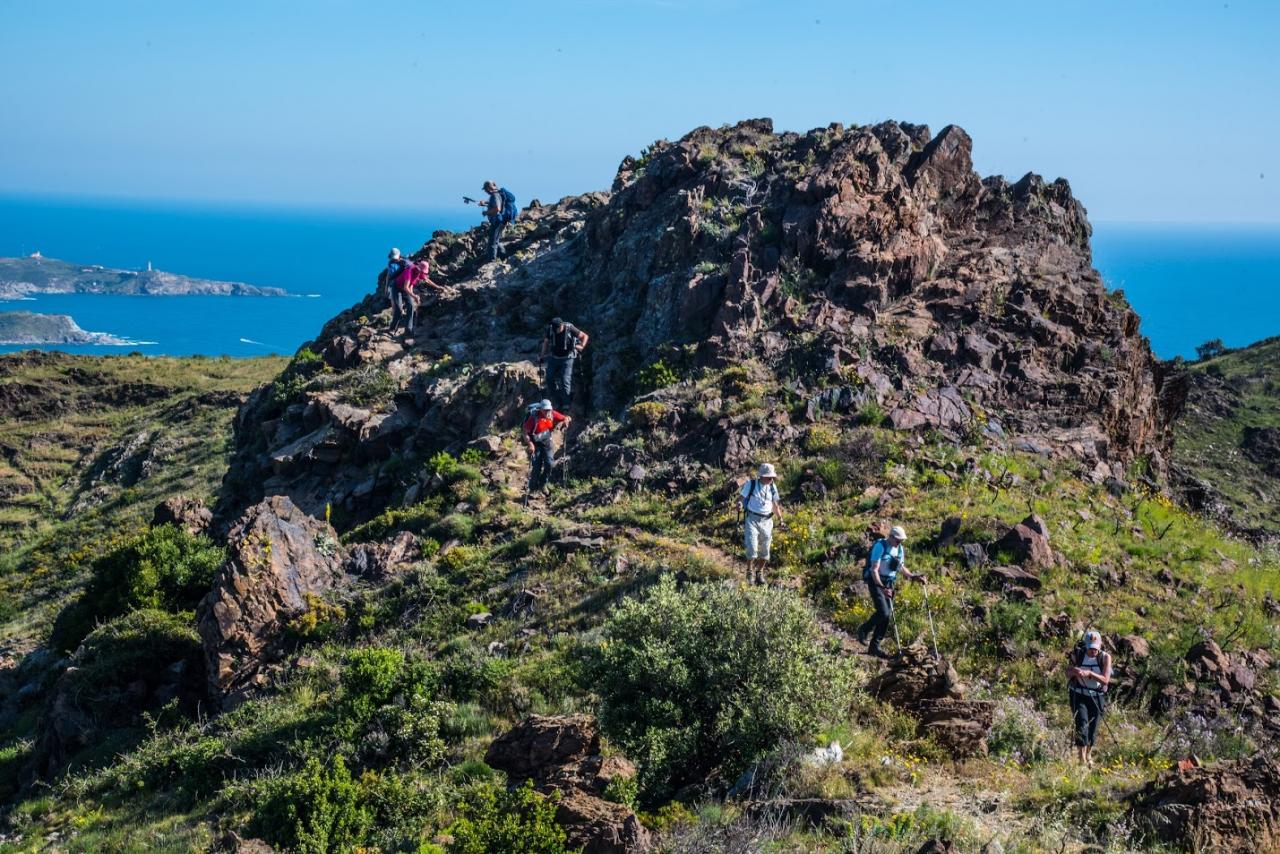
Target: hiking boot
{"type": "Point", "coordinates": [877, 652]}
{"type": "Point", "coordinates": [862, 637]}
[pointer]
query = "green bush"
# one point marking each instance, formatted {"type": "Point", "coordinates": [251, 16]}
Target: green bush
{"type": "Point", "coordinates": [317, 810]}
{"type": "Point", "coordinates": [442, 464]}
{"type": "Point", "coordinates": [164, 568]}
{"type": "Point", "coordinates": [455, 526]}
{"type": "Point", "coordinates": [369, 680]}
{"type": "Point", "coordinates": [656, 376]}
{"type": "Point", "coordinates": [708, 678]}
{"type": "Point", "coordinates": [497, 821]}
{"type": "Point", "coordinates": [138, 648]}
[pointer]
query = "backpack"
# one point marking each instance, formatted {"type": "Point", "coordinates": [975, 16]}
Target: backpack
{"type": "Point", "coordinates": [508, 206]}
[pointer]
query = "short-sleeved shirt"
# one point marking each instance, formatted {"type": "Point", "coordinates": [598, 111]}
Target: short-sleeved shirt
{"type": "Point", "coordinates": [762, 499]}
{"type": "Point", "coordinates": [563, 341]}
{"type": "Point", "coordinates": [539, 426]}
{"type": "Point", "coordinates": [884, 553]}
{"type": "Point", "coordinates": [494, 209]}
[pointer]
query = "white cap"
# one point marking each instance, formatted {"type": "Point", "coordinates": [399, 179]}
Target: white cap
{"type": "Point", "coordinates": [898, 533]}
{"type": "Point", "coordinates": [394, 253]}
{"type": "Point", "coordinates": [766, 470]}
{"type": "Point", "coordinates": [546, 404]}
{"type": "Point", "coordinates": [1092, 640]}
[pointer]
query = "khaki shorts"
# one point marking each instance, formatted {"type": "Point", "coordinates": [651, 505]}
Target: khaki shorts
{"type": "Point", "coordinates": [758, 533]}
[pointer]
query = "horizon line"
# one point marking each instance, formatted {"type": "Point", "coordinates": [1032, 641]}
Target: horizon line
{"type": "Point", "coordinates": [365, 207]}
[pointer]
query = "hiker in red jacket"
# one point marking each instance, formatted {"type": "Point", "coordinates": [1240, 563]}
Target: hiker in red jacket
{"type": "Point", "coordinates": [538, 430]}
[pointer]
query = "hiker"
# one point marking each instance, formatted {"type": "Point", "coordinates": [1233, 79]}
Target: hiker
{"type": "Point", "coordinates": [761, 504]}
{"type": "Point", "coordinates": [405, 297]}
{"type": "Point", "coordinates": [538, 430]}
{"type": "Point", "coordinates": [387, 275]}
{"type": "Point", "coordinates": [1088, 675]}
{"type": "Point", "coordinates": [565, 341]}
{"type": "Point", "coordinates": [499, 209]}
{"type": "Point", "coordinates": [881, 572]}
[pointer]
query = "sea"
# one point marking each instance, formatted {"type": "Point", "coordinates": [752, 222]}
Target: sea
{"type": "Point", "coordinates": [1189, 283]}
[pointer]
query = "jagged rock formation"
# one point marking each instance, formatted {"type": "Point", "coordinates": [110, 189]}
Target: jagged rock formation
{"type": "Point", "coordinates": [185, 512]}
{"type": "Point", "coordinates": [561, 755]}
{"type": "Point", "coordinates": [278, 558]}
{"type": "Point", "coordinates": [931, 691]}
{"type": "Point", "coordinates": [843, 270]}
{"type": "Point", "coordinates": [1233, 806]}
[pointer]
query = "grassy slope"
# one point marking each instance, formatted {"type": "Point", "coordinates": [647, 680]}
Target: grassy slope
{"type": "Point", "coordinates": [60, 415]}
{"type": "Point", "coordinates": [179, 785]}
{"type": "Point", "coordinates": [1208, 443]}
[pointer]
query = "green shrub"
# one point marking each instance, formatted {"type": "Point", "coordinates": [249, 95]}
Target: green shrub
{"type": "Point", "coordinates": [164, 568]}
{"type": "Point", "coordinates": [708, 678]}
{"type": "Point", "coordinates": [317, 810]}
{"type": "Point", "coordinates": [820, 439]}
{"type": "Point", "coordinates": [442, 464]}
{"type": "Point", "coordinates": [496, 821]}
{"type": "Point", "coordinates": [872, 414]}
{"type": "Point", "coordinates": [656, 376]}
{"type": "Point", "coordinates": [138, 648]}
{"type": "Point", "coordinates": [455, 526]}
{"type": "Point", "coordinates": [647, 414]}
{"type": "Point", "coordinates": [369, 679]}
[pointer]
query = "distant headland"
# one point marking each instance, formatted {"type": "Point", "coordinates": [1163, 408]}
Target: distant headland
{"type": "Point", "coordinates": [26, 327]}
{"type": "Point", "coordinates": [35, 274]}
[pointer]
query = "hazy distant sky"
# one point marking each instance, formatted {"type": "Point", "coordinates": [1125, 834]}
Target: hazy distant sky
{"type": "Point", "coordinates": [1153, 110]}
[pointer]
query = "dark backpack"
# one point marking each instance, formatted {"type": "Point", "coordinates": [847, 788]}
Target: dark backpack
{"type": "Point", "coordinates": [508, 205]}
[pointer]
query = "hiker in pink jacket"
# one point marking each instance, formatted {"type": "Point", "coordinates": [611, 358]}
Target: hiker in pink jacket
{"type": "Point", "coordinates": [405, 300]}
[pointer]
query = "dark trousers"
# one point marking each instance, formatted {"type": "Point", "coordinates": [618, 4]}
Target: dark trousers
{"type": "Point", "coordinates": [1087, 710]}
{"type": "Point", "coordinates": [544, 457]}
{"type": "Point", "coordinates": [560, 380]}
{"type": "Point", "coordinates": [403, 307]}
{"type": "Point", "coordinates": [496, 227]}
{"type": "Point", "coordinates": [878, 624]}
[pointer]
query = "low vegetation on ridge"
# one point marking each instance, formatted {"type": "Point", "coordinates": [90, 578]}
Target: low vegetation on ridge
{"type": "Point", "coordinates": [439, 608]}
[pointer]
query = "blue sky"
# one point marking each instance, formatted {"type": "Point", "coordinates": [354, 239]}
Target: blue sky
{"type": "Point", "coordinates": [1154, 111]}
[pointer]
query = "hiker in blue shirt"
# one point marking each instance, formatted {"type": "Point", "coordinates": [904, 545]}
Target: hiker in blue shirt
{"type": "Point", "coordinates": [881, 572]}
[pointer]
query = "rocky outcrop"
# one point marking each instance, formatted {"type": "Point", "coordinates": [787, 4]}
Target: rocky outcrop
{"type": "Point", "coordinates": [1232, 806]}
{"type": "Point", "coordinates": [1028, 543]}
{"type": "Point", "coordinates": [562, 755]}
{"type": "Point", "coordinates": [279, 559]}
{"type": "Point", "coordinates": [869, 266]}
{"type": "Point", "coordinates": [931, 691]}
{"type": "Point", "coordinates": [381, 561]}
{"type": "Point", "coordinates": [183, 512]}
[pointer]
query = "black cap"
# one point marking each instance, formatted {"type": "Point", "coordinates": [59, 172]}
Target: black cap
{"type": "Point", "coordinates": [557, 321]}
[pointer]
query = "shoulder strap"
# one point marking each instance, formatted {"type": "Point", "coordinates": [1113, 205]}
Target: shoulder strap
{"type": "Point", "coordinates": [752, 493]}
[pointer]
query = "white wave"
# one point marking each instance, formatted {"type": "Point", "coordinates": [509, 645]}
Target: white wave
{"type": "Point", "coordinates": [314, 296]}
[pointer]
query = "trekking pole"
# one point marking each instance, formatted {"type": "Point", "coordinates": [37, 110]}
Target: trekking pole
{"type": "Point", "coordinates": [929, 611]}
{"type": "Point", "coordinates": [893, 618]}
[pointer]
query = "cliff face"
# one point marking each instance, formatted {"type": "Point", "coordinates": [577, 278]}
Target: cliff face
{"type": "Point", "coordinates": [866, 270]}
